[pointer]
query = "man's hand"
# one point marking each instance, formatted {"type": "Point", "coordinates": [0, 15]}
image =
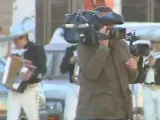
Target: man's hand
{"type": "Point", "coordinates": [73, 59]}
{"type": "Point", "coordinates": [132, 64]}
{"type": "Point", "coordinates": [29, 64]}
{"type": "Point", "coordinates": [103, 31]}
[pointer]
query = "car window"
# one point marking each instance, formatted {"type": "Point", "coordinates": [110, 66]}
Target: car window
{"type": "Point", "coordinates": [2, 65]}
{"type": "Point", "coordinates": [54, 60]}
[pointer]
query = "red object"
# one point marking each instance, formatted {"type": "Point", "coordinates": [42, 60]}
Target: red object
{"type": "Point", "coordinates": [53, 118]}
{"type": "Point", "coordinates": [109, 3]}
{"type": "Point", "coordinates": [90, 6]}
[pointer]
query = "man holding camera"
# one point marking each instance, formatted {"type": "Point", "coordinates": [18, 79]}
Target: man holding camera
{"type": "Point", "coordinates": [106, 69]}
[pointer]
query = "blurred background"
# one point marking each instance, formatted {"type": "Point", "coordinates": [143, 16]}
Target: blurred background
{"type": "Point", "coordinates": [49, 14]}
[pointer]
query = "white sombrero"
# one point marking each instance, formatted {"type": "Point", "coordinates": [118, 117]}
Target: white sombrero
{"type": "Point", "coordinates": [19, 29]}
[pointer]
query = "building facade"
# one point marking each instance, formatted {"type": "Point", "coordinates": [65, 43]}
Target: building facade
{"type": "Point", "coordinates": [5, 13]}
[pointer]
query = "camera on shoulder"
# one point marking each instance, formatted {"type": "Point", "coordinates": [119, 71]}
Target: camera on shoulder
{"type": "Point", "coordinates": [137, 46]}
{"type": "Point", "coordinates": [84, 26]}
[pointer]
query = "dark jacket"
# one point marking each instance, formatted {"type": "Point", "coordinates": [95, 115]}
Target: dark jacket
{"type": "Point", "coordinates": [37, 55]}
{"type": "Point", "coordinates": [143, 70]}
{"type": "Point", "coordinates": [66, 66]}
{"type": "Point", "coordinates": [157, 73]}
{"type": "Point", "coordinates": [104, 82]}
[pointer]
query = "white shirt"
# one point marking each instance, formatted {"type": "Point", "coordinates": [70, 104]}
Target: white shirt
{"type": "Point", "coordinates": [150, 77]}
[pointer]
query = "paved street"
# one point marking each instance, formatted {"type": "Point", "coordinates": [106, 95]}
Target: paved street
{"type": "Point", "coordinates": [140, 104]}
{"type": "Point", "coordinates": [50, 85]}
{"type": "Point", "coordinates": [140, 98]}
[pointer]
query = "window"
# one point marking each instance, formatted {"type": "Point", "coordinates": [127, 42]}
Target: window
{"type": "Point", "coordinates": [133, 2]}
{"type": "Point", "coordinates": [58, 9]}
{"type": "Point", "coordinates": [134, 10]}
{"type": "Point", "coordinates": [156, 11]}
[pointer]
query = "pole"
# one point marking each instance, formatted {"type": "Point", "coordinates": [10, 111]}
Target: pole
{"type": "Point", "coordinates": [148, 11]}
{"type": "Point", "coordinates": [152, 2]}
{"type": "Point", "coordinates": [117, 6]}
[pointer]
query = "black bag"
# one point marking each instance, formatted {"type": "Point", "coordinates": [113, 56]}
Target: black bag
{"type": "Point", "coordinates": [83, 26]}
{"type": "Point", "coordinates": [76, 33]}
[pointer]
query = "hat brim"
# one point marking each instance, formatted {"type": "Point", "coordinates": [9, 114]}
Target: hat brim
{"type": "Point", "coordinates": [10, 37]}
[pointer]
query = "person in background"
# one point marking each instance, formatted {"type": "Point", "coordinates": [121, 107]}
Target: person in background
{"type": "Point", "coordinates": [67, 66]}
{"type": "Point", "coordinates": [151, 88]}
{"type": "Point", "coordinates": [68, 62]}
{"type": "Point", "coordinates": [28, 98]}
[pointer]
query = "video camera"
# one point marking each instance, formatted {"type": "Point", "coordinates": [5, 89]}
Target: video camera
{"type": "Point", "coordinates": [137, 46]}
{"type": "Point", "coordinates": [84, 26]}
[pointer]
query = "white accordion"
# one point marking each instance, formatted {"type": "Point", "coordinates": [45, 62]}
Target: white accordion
{"type": "Point", "coordinates": [14, 73]}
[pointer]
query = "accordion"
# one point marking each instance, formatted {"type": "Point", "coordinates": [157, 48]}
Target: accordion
{"type": "Point", "coordinates": [13, 76]}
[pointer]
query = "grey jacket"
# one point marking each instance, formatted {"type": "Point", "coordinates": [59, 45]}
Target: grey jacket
{"type": "Point", "coordinates": [104, 81]}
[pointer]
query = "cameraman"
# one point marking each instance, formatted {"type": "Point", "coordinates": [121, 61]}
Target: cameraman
{"type": "Point", "coordinates": [105, 72]}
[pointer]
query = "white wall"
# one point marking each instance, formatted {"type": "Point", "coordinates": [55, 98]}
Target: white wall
{"type": "Point", "coordinates": [23, 9]}
{"type": "Point", "coordinates": [118, 6]}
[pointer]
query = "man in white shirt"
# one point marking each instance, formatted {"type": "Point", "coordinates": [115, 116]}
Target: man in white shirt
{"type": "Point", "coordinates": [151, 91]}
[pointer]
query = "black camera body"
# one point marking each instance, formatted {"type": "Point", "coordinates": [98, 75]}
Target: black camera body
{"type": "Point", "coordinates": [137, 49]}
{"type": "Point", "coordinates": [84, 27]}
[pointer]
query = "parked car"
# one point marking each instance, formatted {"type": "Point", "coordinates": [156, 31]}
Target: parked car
{"type": "Point", "coordinates": [62, 89]}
